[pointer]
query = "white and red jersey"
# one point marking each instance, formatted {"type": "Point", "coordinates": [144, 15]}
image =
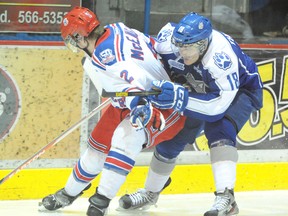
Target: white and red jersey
{"type": "Point", "coordinates": [124, 60]}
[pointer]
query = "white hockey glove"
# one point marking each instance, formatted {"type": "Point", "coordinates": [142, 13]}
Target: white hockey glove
{"type": "Point", "coordinates": [172, 96]}
{"type": "Point", "coordinates": [143, 115]}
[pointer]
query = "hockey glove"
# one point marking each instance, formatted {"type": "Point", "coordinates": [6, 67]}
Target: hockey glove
{"type": "Point", "coordinates": [142, 115]}
{"type": "Point", "coordinates": [172, 96]}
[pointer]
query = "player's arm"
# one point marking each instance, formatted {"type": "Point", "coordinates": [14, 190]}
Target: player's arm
{"type": "Point", "coordinates": [209, 106]}
{"type": "Point", "coordinates": [129, 77]}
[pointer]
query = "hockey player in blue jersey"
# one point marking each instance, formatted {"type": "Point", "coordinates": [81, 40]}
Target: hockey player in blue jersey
{"type": "Point", "coordinates": [213, 81]}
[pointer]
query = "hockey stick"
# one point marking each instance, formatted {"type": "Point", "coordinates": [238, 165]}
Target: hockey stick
{"type": "Point", "coordinates": [127, 94]}
{"type": "Point", "coordinates": [55, 141]}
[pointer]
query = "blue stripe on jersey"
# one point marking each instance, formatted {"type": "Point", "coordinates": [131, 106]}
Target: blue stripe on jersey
{"type": "Point", "coordinates": [113, 44]}
{"type": "Point", "coordinates": [121, 41]}
{"type": "Point", "coordinates": [246, 66]}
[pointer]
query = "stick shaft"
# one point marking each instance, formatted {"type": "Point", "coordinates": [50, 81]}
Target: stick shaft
{"type": "Point", "coordinates": [127, 94]}
{"type": "Point", "coordinates": [55, 141]}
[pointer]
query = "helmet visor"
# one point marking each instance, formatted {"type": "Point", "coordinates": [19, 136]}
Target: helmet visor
{"type": "Point", "coordinates": [200, 45]}
{"type": "Point", "coordinates": [175, 50]}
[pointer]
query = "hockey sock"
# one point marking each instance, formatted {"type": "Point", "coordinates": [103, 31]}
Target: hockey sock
{"type": "Point", "coordinates": [159, 172]}
{"type": "Point", "coordinates": [87, 168]}
{"type": "Point", "coordinates": [110, 183]}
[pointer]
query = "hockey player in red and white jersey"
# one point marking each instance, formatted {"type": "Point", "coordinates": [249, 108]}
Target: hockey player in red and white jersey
{"type": "Point", "coordinates": [123, 60]}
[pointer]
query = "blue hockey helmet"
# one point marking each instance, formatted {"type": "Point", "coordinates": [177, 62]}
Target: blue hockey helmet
{"type": "Point", "coordinates": [191, 29]}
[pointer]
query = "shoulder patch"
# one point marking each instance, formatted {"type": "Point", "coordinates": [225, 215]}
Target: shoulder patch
{"type": "Point", "coordinates": [106, 56]}
{"type": "Point", "coordinates": [222, 60]}
{"type": "Point", "coordinates": [163, 35]}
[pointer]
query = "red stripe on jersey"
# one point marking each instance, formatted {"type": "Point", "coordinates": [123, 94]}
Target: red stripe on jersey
{"type": "Point", "coordinates": [152, 40]}
{"type": "Point", "coordinates": [103, 37]}
{"type": "Point", "coordinates": [95, 59]}
{"type": "Point", "coordinates": [117, 45]}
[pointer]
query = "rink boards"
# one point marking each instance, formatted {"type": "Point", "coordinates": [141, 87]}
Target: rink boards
{"type": "Point", "coordinates": [36, 183]}
{"type": "Point", "coordinates": [48, 92]}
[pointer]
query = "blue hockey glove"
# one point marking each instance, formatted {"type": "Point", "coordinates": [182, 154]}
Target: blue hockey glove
{"type": "Point", "coordinates": [172, 96]}
{"type": "Point", "coordinates": [142, 115]}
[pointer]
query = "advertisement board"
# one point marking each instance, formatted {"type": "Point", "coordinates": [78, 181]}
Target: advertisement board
{"type": "Point", "coordinates": [34, 16]}
{"type": "Point", "coordinates": [266, 129]}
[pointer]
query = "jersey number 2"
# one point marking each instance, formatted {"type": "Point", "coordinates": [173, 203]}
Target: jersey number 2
{"type": "Point", "coordinates": [124, 75]}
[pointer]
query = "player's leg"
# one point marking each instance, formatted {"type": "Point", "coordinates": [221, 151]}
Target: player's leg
{"type": "Point", "coordinates": [143, 198]}
{"type": "Point", "coordinates": [162, 164]}
{"type": "Point", "coordinates": [221, 137]}
{"type": "Point", "coordinates": [126, 144]}
{"type": "Point", "coordinates": [78, 181]}
{"type": "Point", "coordinates": [90, 163]}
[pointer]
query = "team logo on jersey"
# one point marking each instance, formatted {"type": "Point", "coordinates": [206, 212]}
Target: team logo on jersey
{"type": "Point", "coordinates": [162, 37]}
{"type": "Point", "coordinates": [222, 60]}
{"type": "Point", "coordinates": [9, 103]}
{"type": "Point", "coordinates": [198, 85]}
{"type": "Point", "coordinates": [198, 70]}
{"type": "Point", "coordinates": [107, 56]}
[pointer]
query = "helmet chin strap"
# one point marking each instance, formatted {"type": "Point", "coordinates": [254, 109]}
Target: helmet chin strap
{"type": "Point", "coordinates": [87, 52]}
{"type": "Point", "coordinates": [85, 49]}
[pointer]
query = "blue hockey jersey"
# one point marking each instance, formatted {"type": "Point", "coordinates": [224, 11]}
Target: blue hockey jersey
{"type": "Point", "coordinates": [215, 79]}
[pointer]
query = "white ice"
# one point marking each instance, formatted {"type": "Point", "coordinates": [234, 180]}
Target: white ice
{"type": "Point", "coordinates": [260, 203]}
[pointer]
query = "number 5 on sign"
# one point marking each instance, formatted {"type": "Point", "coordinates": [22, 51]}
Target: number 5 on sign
{"type": "Point", "coordinates": [284, 93]}
{"type": "Point", "coordinates": [258, 127]}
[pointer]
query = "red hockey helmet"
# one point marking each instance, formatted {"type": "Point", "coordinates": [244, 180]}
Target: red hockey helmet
{"type": "Point", "coordinates": [76, 24]}
{"type": "Point", "coordinates": [80, 21]}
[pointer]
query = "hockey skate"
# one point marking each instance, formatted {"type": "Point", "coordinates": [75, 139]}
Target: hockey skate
{"type": "Point", "coordinates": [224, 205]}
{"type": "Point", "coordinates": [140, 200]}
{"type": "Point", "coordinates": [59, 200]}
{"type": "Point", "coordinates": [98, 205]}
